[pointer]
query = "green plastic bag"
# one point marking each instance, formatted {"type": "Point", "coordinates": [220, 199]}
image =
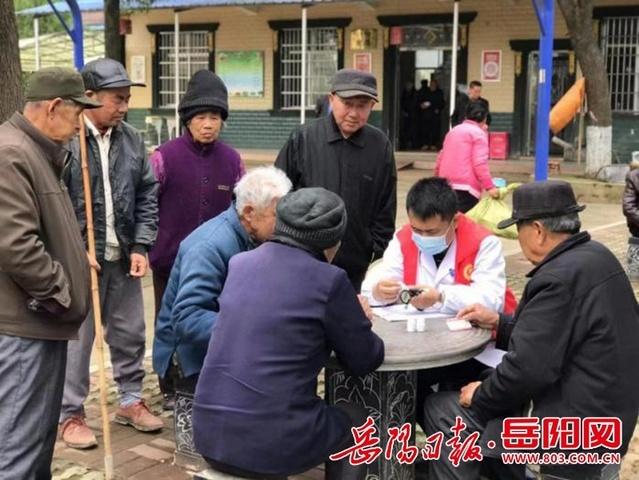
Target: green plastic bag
{"type": "Point", "coordinates": [490, 211]}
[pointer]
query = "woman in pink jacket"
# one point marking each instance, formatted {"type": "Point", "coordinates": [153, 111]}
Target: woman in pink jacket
{"type": "Point", "coordinates": [463, 160]}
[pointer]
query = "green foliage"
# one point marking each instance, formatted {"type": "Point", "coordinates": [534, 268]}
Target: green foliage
{"type": "Point", "coordinates": [48, 24]}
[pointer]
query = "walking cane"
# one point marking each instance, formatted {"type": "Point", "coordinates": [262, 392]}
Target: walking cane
{"type": "Point", "coordinates": [97, 314]}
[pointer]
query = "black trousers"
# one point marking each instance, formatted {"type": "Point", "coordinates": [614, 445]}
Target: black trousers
{"type": "Point", "coordinates": [167, 385]}
{"type": "Point", "coordinates": [440, 411]}
{"type": "Point", "coordinates": [465, 201]}
{"type": "Point", "coordinates": [449, 378]}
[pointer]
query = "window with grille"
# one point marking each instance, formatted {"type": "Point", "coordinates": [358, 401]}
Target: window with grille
{"type": "Point", "coordinates": [620, 42]}
{"type": "Point", "coordinates": [194, 55]}
{"type": "Point", "coordinates": [322, 60]}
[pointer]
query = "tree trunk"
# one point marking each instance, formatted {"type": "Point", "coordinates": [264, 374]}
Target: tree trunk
{"type": "Point", "coordinates": [112, 37]}
{"type": "Point", "coordinates": [578, 16]}
{"type": "Point", "coordinates": [10, 73]}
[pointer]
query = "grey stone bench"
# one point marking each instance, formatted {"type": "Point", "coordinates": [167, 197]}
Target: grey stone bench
{"type": "Point", "coordinates": [210, 474]}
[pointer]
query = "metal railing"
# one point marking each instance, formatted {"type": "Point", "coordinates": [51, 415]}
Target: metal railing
{"type": "Point", "coordinates": [620, 43]}
{"type": "Point", "coordinates": [194, 56]}
{"type": "Point", "coordinates": [321, 64]}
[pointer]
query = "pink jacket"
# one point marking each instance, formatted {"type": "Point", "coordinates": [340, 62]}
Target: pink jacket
{"type": "Point", "coordinates": [463, 160]}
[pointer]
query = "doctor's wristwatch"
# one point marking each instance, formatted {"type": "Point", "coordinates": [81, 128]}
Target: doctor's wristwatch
{"type": "Point", "coordinates": [407, 294]}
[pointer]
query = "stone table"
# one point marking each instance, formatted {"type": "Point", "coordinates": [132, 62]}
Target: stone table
{"type": "Point", "coordinates": [389, 393]}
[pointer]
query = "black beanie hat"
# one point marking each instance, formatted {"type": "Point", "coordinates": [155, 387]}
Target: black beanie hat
{"type": "Point", "coordinates": [313, 218]}
{"type": "Point", "coordinates": [205, 92]}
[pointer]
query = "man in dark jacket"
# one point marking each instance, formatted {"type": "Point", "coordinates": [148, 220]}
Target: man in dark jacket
{"type": "Point", "coordinates": [630, 209]}
{"type": "Point", "coordinates": [283, 310]}
{"type": "Point", "coordinates": [432, 115]}
{"type": "Point", "coordinates": [572, 346]}
{"type": "Point", "coordinates": [125, 215]}
{"type": "Point", "coordinates": [343, 154]}
{"type": "Point", "coordinates": [44, 271]}
{"type": "Point", "coordinates": [464, 99]}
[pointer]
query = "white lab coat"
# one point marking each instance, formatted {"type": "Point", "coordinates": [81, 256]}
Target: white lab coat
{"type": "Point", "coordinates": [488, 279]}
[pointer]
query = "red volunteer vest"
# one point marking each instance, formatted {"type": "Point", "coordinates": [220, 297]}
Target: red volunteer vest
{"type": "Point", "coordinates": [469, 237]}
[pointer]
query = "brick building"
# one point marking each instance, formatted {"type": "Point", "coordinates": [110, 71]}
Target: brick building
{"type": "Point", "coordinates": [399, 40]}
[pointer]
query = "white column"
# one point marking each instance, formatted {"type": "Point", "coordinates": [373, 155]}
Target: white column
{"type": "Point", "coordinates": [177, 70]}
{"type": "Point", "coordinates": [36, 38]}
{"type": "Point", "coordinates": [303, 92]}
{"type": "Point", "coordinates": [453, 67]}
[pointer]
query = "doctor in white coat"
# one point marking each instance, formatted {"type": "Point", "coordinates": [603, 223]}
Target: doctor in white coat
{"type": "Point", "coordinates": [451, 261]}
{"type": "Point", "coordinates": [425, 256]}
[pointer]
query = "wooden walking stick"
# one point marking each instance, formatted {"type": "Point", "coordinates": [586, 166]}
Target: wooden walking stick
{"type": "Point", "coordinates": [97, 313]}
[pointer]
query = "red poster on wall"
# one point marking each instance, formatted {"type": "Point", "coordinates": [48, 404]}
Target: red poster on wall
{"type": "Point", "coordinates": [396, 34]}
{"type": "Point", "coordinates": [491, 65]}
{"type": "Point", "coordinates": [362, 61]}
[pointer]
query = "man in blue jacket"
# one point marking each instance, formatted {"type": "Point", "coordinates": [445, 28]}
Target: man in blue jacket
{"type": "Point", "coordinates": [190, 303]}
{"type": "Point", "coordinates": [283, 310]}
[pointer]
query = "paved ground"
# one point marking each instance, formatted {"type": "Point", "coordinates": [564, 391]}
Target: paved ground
{"type": "Point", "coordinates": [140, 456]}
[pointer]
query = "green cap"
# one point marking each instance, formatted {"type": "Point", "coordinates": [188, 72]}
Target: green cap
{"type": "Point", "coordinates": [58, 82]}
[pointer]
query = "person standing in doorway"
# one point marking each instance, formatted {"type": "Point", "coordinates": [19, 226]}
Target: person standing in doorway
{"type": "Point", "coordinates": [345, 155]}
{"type": "Point", "coordinates": [432, 116]}
{"type": "Point", "coordinates": [422, 103]}
{"type": "Point", "coordinates": [124, 194]}
{"type": "Point", "coordinates": [407, 116]}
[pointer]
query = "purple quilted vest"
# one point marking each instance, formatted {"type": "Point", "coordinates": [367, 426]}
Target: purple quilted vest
{"type": "Point", "coordinates": [198, 185]}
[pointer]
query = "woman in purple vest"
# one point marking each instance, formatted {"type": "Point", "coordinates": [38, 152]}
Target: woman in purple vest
{"type": "Point", "coordinates": [196, 173]}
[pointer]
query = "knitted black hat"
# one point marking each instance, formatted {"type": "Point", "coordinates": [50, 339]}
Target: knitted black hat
{"type": "Point", "coordinates": [313, 218]}
{"type": "Point", "coordinates": [205, 92]}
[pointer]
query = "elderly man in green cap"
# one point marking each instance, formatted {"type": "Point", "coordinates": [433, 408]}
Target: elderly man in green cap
{"type": "Point", "coordinates": [44, 271]}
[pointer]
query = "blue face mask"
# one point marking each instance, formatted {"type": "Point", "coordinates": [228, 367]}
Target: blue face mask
{"type": "Point", "coordinates": [431, 245]}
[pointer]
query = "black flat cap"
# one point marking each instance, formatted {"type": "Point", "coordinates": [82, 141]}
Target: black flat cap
{"type": "Point", "coordinates": [106, 73]}
{"type": "Point", "coordinates": [349, 83]}
{"type": "Point", "coordinates": [532, 201]}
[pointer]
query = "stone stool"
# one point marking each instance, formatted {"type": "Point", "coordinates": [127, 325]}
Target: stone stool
{"type": "Point", "coordinates": [185, 454]}
{"type": "Point", "coordinates": [633, 258]}
{"type": "Point", "coordinates": [210, 474]}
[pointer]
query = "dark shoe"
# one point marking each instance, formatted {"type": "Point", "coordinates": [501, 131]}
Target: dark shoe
{"type": "Point", "coordinates": [421, 469]}
{"type": "Point", "coordinates": [168, 402]}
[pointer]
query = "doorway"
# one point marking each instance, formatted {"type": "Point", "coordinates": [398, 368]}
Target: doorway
{"type": "Point", "coordinates": [562, 80]}
{"type": "Point", "coordinates": [416, 117]}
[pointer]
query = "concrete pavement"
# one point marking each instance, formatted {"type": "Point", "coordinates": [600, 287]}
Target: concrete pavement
{"type": "Point", "coordinates": [141, 456]}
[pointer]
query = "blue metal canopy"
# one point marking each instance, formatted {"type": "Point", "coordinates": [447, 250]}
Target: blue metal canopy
{"type": "Point", "coordinates": [98, 5]}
